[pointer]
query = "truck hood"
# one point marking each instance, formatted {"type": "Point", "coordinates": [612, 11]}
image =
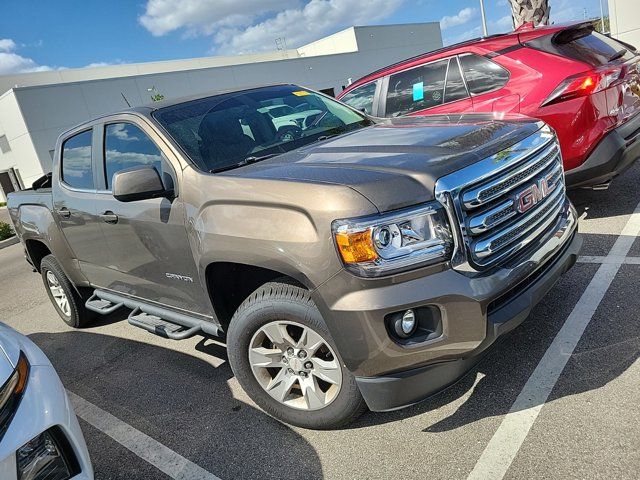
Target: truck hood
{"type": "Point", "coordinates": [396, 162]}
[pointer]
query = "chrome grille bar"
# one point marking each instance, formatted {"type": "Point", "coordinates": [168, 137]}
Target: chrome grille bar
{"type": "Point", "coordinates": [484, 221]}
{"type": "Point", "coordinates": [505, 202]}
{"type": "Point", "coordinates": [493, 189]}
{"type": "Point", "coordinates": [489, 246]}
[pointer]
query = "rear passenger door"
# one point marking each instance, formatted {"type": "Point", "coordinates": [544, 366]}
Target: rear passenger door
{"type": "Point", "coordinates": [150, 254]}
{"type": "Point", "coordinates": [432, 88]}
{"type": "Point", "coordinates": [74, 201]}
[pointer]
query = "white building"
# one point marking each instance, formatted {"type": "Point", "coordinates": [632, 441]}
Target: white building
{"type": "Point", "coordinates": [624, 20]}
{"type": "Point", "coordinates": [36, 107]}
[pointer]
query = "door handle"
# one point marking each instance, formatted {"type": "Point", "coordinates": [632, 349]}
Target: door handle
{"type": "Point", "coordinates": [64, 212]}
{"type": "Point", "coordinates": [109, 217]}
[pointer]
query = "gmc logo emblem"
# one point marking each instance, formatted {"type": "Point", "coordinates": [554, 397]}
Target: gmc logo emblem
{"type": "Point", "coordinates": [534, 194]}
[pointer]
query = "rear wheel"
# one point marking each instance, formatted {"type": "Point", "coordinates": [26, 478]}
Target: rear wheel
{"type": "Point", "coordinates": [283, 356]}
{"type": "Point", "coordinates": [64, 297]}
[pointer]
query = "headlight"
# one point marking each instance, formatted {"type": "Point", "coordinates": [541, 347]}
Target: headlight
{"type": "Point", "coordinates": [389, 243]}
{"type": "Point", "coordinates": [47, 457]}
{"type": "Point", "coordinates": [11, 393]}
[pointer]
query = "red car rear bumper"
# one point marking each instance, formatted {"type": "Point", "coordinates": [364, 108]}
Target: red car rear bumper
{"type": "Point", "coordinates": [614, 154]}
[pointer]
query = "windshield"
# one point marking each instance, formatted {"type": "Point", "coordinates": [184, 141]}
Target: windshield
{"type": "Point", "coordinates": [229, 130]}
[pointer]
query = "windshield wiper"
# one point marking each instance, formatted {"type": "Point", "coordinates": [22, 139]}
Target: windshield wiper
{"type": "Point", "coordinates": [617, 55]}
{"type": "Point", "coordinates": [244, 162]}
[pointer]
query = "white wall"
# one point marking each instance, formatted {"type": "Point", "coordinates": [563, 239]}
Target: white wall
{"type": "Point", "coordinates": [22, 156]}
{"type": "Point", "coordinates": [624, 17]}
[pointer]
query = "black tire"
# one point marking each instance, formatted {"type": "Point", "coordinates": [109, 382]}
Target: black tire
{"type": "Point", "coordinates": [78, 315]}
{"type": "Point", "coordinates": [280, 301]}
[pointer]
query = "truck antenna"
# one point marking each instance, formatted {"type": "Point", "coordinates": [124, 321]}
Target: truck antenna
{"type": "Point", "coordinates": [125, 100]}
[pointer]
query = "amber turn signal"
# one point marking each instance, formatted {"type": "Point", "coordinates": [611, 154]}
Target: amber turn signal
{"type": "Point", "coordinates": [356, 247]}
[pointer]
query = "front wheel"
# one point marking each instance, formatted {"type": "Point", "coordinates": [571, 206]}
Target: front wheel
{"type": "Point", "coordinates": [283, 356]}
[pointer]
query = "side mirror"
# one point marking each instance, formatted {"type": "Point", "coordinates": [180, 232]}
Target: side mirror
{"type": "Point", "coordinates": [138, 183]}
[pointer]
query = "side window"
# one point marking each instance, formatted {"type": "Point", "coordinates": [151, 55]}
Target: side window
{"type": "Point", "coordinates": [482, 75]}
{"type": "Point", "coordinates": [77, 170]}
{"type": "Point", "coordinates": [126, 146]}
{"type": "Point", "coordinates": [416, 89]}
{"type": "Point", "coordinates": [361, 98]}
{"type": "Point", "coordinates": [455, 89]}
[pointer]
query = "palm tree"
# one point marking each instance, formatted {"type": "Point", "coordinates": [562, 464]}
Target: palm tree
{"type": "Point", "coordinates": [536, 11]}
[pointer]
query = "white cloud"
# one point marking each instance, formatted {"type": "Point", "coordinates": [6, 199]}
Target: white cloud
{"type": "Point", "coordinates": [565, 11]}
{"type": "Point", "coordinates": [466, 35]}
{"type": "Point", "coordinates": [462, 17]}
{"type": "Point", "coordinates": [503, 24]}
{"type": "Point", "coordinates": [253, 25]}
{"type": "Point", "coordinates": [11, 63]}
{"type": "Point", "coordinates": [7, 45]}
{"type": "Point", "coordinates": [204, 17]}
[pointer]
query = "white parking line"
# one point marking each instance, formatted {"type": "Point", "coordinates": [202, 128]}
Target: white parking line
{"type": "Point", "coordinates": [145, 447]}
{"type": "Point", "coordinates": [507, 440]}
{"type": "Point", "coordinates": [609, 259]}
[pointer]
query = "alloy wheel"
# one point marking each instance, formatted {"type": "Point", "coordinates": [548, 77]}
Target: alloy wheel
{"type": "Point", "coordinates": [295, 365]}
{"type": "Point", "coordinates": [58, 294]}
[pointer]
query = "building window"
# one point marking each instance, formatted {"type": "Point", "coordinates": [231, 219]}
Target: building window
{"type": "Point", "coordinates": [4, 144]}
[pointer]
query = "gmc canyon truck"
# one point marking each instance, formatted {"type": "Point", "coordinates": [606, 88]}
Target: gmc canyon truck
{"type": "Point", "coordinates": [367, 263]}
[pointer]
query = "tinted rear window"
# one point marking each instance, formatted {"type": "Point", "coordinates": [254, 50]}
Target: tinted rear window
{"type": "Point", "coordinates": [77, 168]}
{"type": "Point", "coordinates": [585, 45]}
{"type": "Point", "coordinates": [416, 89]}
{"type": "Point", "coordinates": [482, 75]}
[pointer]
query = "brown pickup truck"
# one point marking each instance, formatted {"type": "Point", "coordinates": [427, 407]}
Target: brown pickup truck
{"type": "Point", "coordinates": [348, 262]}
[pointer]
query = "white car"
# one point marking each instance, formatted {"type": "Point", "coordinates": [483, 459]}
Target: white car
{"type": "Point", "coordinates": [287, 116]}
{"type": "Point", "coordinates": [40, 437]}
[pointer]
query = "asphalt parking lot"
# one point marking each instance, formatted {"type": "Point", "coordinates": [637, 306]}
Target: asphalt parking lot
{"type": "Point", "coordinates": [557, 398]}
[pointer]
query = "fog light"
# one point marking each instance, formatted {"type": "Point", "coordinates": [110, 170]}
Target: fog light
{"type": "Point", "coordinates": [43, 458]}
{"type": "Point", "coordinates": [404, 324]}
{"type": "Point", "coordinates": [408, 323]}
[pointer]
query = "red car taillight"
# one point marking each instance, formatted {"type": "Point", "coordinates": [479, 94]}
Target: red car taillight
{"type": "Point", "coordinates": [584, 84]}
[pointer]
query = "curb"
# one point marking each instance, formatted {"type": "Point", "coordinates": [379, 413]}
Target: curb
{"type": "Point", "coordinates": [9, 241]}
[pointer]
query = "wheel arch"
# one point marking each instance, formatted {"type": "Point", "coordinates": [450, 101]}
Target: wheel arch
{"type": "Point", "coordinates": [36, 250]}
{"type": "Point", "coordinates": [229, 284]}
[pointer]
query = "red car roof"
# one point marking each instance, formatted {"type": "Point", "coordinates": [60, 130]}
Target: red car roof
{"type": "Point", "coordinates": [492, 43]}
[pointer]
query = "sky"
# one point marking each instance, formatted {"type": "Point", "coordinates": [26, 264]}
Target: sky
{"type": "Point", "coordinates": [38, 35]}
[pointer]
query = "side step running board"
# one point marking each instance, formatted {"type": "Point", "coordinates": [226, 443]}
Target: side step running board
{"type": "Point", "coordinates": [161, 327]}
{"type": "Point", "coordinates": [101, 306]}
{"type": "Point", "coordinates": [152, 318]}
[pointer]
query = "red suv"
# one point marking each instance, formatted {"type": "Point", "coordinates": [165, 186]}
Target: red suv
{"type": "Point", "coordinates": [584, 84]}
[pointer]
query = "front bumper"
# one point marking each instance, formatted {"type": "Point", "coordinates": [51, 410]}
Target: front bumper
{"type": "Point", "coordinates": [613, 155]}
{"type": "Point", "coordinates": [474, 312]}
{"type": "Point", "coordinates": [43, 405]}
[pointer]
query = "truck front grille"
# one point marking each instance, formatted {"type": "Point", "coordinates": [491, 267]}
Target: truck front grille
{"type": "Point", "coordinates": [505, 202]}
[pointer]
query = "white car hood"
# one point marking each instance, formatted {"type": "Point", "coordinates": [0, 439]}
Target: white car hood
{"type": "Point", "coordinates": [11, 344]}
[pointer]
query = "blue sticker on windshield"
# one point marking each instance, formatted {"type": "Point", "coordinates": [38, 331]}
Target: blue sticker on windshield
{"type": "Point", "coordinates": [418, 91]}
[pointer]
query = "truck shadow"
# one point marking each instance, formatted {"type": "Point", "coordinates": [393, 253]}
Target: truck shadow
{"type": "Point", "coordinates": [181, 401]}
